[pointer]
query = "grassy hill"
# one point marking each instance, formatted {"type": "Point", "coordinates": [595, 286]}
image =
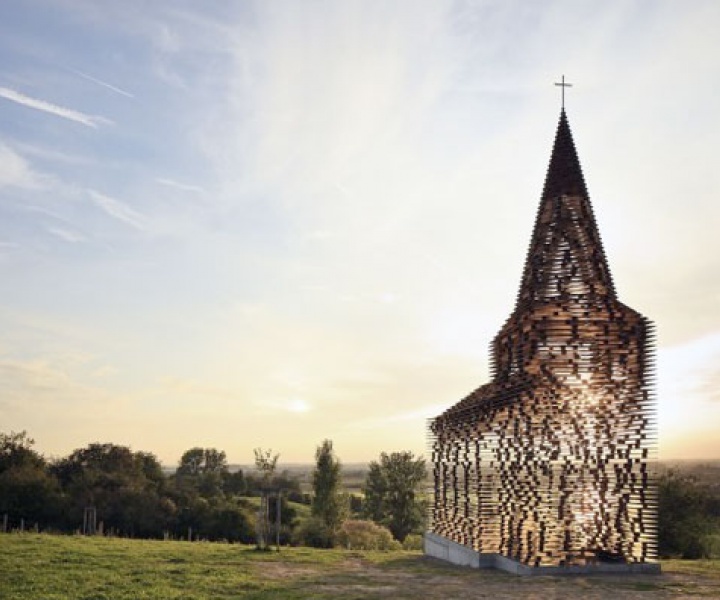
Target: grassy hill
{"type": "Point", "coordinates": [63, 567]}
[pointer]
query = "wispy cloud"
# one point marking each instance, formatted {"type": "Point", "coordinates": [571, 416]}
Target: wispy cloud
{"type": "Point", "coordinates": [66, 235]}
{"type": "Point", "coordinates": [58, 156]}
{"type": "Point", "coordinates": [180, 186]}
{"type": "Point", "coordinates": [51, 388]}
{"type": "Point", "coordinates": [118, 210]}
{"type": "Point", "coordinates": [53, 109]}
{"type": "Point", "coordinates": [198, 389]}
{"type": "Point", "coordinates": [16, 172]}
{"type": "Point", "coordinates": [102, 83]}
{"type": "Point", "coordinates": [49, 213]}
{"type": "Point", "coordinates": [417, 416]}
{"type": "Point", "coordinates": [36, 379]}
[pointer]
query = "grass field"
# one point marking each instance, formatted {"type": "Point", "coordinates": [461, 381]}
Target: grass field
{"type": "Point", "coordinates": [53, 567]}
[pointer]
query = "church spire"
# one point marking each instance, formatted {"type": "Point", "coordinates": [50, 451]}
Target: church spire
{"type": "Point", "coordinates": [564, 176]}
{"type": "Point", "coordinates": [566, 258]}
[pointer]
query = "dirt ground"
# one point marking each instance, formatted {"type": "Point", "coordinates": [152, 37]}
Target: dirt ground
{"type": "Point", "coordinates": [430, 579]}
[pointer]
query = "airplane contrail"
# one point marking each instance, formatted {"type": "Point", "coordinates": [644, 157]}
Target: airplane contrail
{"type": "Point", "coordinates": [101, 82]}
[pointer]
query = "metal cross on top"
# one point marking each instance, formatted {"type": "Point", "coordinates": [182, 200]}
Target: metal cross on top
{"type": "Point", "coordinates": [563, 85]}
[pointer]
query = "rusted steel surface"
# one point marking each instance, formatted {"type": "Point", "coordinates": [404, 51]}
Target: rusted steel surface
{"type": "Point", "coordinates": [550, 462]}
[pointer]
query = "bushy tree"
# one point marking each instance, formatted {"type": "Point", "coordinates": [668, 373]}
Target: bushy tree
{"type": "Point", "coordinates": [392, 492]}
{"type": "Point", "coordinates": [124, 487]}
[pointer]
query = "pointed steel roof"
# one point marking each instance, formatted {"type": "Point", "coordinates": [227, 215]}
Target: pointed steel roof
{"type": "Point", "coordinates": [566, 257]}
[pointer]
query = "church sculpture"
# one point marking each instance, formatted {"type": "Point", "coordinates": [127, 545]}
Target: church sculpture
{"type": "Point", "coordinates": [549, 463]}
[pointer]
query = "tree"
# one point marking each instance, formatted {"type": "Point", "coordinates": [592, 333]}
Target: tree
{"type": "Point", "coordinates": [31, 494]}
{"type": "Point", "coordinates": [265, 463]}
{"type": "Point", "coordinates": [234, 484]}
{"type": "Point", "coordinates": [687, 520]}
{"type": "Point", "coordinates": [27, 490]}
{"type": "Point", "coordinates": [197, 461]}
{"type": "Point", "coordinates": [329, 504]}
{"type": "Point", "coordinates": [391, 492]}
{"type": "Point", "coordinates": [16, 450]}
{"type": "Point", "coordinates": [229, 520]}
{"type": "Point", "coordinates": [375, 490]}
{"type": "Point", "coordinates": [126, 488]}
{"type": "Point", "coordinates": [191, 462]}
{"type": "Point", "coordinates": [203, 470]}
{"type": "Point", "coordinates": [150, 467]}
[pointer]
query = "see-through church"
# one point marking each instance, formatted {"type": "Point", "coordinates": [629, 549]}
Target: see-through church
{"type": "Point", "coordinates": [548, 465]}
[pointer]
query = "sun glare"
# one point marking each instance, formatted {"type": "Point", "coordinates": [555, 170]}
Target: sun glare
{"type": "Point", "coordinates": [298, 405]}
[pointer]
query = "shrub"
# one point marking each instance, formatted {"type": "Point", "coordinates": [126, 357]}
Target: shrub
{"type": "Point", "coordinates": [366, 535]}
{"type": "Point", "coordinates": [315, 533]}
{"type": "Point", "coordinates": [413, 542]}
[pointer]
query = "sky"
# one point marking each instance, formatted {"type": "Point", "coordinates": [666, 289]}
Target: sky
{"type": "Point", "coordinates": [241, 224]}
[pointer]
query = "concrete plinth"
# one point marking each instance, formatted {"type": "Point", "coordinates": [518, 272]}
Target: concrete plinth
{"type": "Point", "coordinates": [440, 547]}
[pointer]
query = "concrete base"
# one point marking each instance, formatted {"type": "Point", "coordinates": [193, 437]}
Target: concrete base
{"type": "Point", "coordinates": [440, 547]}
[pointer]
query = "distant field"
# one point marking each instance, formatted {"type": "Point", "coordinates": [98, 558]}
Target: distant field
{"type": "Point", "coordinates": [353, 474]}
{"type": "Point", "coordinates": [34, 567]}
{"type": "Point", "coordinates": [706, 471]}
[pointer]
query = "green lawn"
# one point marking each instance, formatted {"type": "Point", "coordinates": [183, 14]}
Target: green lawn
{"type": "Point", "coordinates": [52, 567]}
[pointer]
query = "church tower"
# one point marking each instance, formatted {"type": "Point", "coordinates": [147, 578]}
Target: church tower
{"type": "Point", "coordinates": [548, 464]}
